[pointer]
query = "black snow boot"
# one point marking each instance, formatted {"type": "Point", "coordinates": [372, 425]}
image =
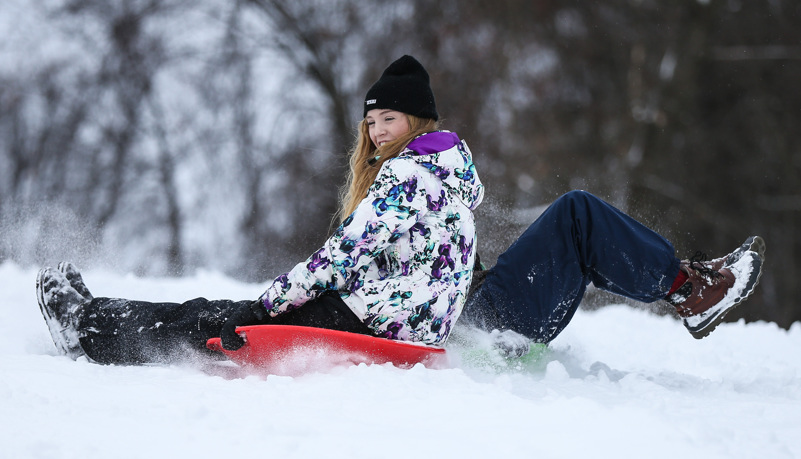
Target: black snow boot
{"type": "Point", "coordinates": [60, 304]}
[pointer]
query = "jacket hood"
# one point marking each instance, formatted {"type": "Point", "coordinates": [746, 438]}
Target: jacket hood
{"type": "Point", "coordinates": [449, 158]}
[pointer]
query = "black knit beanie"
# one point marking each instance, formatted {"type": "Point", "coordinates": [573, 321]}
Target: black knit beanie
{"type": "Point", "coordinates": [404, 86]}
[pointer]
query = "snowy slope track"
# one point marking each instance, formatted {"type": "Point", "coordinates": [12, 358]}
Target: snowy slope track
{"type": "Point", "coordinates": [618, 382]}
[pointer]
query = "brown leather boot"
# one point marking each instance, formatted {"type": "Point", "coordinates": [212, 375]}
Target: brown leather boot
{"type": "Point", "coordinates": [715, 287]}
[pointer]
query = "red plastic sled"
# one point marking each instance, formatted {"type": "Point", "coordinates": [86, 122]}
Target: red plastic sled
{"type": "Point", "coordinates": [290, 349]}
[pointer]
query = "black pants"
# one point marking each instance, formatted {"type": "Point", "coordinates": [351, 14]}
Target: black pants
{"type": "Point", "coordinates": [120, 331]}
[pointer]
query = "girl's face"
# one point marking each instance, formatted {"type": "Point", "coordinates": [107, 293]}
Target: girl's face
{"type": "Point", "coordinates": [386, 125]}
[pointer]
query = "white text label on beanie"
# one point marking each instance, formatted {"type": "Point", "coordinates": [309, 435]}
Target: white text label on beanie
{"type": "Point", "coordinates": [370, 102]}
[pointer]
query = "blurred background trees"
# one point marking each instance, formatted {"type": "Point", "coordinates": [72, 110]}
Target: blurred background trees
{"type": "Point", "coordinates": [163, 136]}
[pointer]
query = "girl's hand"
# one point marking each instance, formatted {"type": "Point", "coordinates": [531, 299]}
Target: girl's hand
{"type": "Point", "coordinates": [253, 313]}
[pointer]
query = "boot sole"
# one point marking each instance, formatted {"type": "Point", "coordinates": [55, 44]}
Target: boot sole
{"type": "Point", "coordinates": [53, 324]}
{"type": "Point", "coordinates": [75, 279]}
{"type": "Point", "coordinates": [753, 244]}
{"type": "Point", "coordinates": [63, 344]}
{"type": "Point", "coordinates": [705, 327]}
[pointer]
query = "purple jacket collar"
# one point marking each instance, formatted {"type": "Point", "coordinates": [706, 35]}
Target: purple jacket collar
{"type": "Point", "coordinates": [433, 142]}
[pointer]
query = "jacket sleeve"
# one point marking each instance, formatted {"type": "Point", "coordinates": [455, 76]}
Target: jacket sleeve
{"type": "Point", "coordinates": [394, 203]}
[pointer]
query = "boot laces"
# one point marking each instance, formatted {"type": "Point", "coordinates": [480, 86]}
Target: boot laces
{"type": "Point", "coordinates": [697, 262]}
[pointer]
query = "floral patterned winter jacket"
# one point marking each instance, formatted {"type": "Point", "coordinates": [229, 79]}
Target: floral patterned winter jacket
{"type": "Point", "coordinates": [403, 260]}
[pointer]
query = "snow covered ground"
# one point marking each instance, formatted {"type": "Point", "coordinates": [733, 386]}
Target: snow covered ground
{"type": "Point", "coordinates": [617, 383]}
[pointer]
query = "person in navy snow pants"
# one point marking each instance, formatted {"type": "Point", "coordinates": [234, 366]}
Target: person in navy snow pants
{"type": "Point", "coordinates": [412, 190]}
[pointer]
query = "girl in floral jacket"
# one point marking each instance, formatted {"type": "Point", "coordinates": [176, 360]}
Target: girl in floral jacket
{"type": "Point", "coordinates": [398, 266]}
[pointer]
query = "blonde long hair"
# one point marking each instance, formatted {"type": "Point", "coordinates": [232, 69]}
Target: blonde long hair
{"type": "Point", "coordinates": [364, 166]}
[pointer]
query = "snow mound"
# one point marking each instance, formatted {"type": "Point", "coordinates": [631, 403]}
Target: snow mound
{"type": "Point", "coordinates": [618, 382]}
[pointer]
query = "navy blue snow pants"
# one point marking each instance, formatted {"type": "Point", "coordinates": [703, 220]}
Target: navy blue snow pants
{"type": "Point", "coordinates": [539, 281]}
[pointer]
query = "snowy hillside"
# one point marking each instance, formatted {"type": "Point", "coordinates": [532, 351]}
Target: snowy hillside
{"type": "Point", "coordinates": [617, 383]}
